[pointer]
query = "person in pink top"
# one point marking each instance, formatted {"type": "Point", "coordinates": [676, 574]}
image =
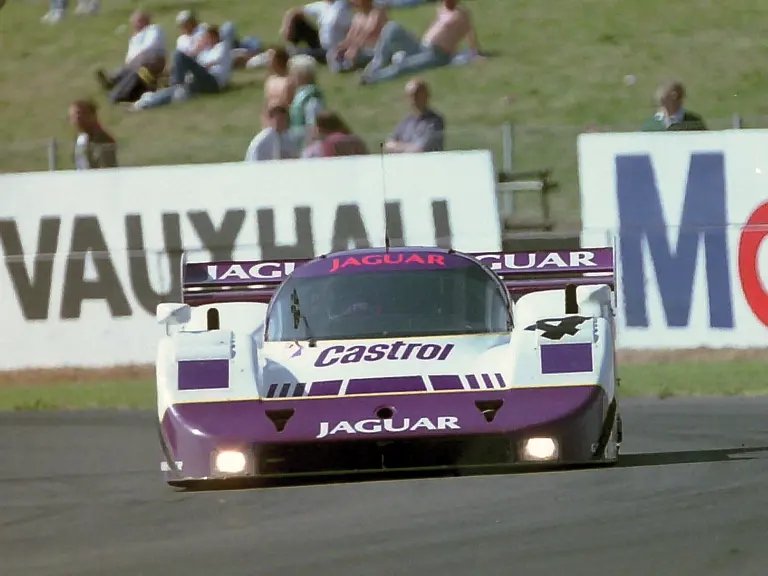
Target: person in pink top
{"type": "Point", "coordinates": [437, 47]}
{"type": "Point", "coordinates": [332, 137]}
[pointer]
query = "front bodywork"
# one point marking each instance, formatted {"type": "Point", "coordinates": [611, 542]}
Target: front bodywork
{"type": "Point", "coordinates": [382, 404]}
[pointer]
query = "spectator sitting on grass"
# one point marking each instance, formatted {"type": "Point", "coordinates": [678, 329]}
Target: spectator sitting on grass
{"type": "Point", "coordinates": [274, 142]}
{"type": "Point", "coordinates": [57, 9]}
{"type": "Point", "coordinates": [398, 52]}
{"type": "Point", "coordinates": [332, 137]}
{"type": "Point", "coordinates": [422, 131]}
{"type": "Point", "coordinates": [356, 50]}
{"type": "Point", "coordinates": [278, 87]}
{"type": "Point", "coordinates": [333, 17]}
{"type": "Point", "coordinates": [208, 73]}
{"type": "Point", "coordinates": [94, 146]}
{"type": "Point", "coordinates": [308, 99]}
{"type": "Point", "coordinates": [192, 31]}
{"type": "Point", "coordinates": [672, 115]}
{"type": "Point", "coordinates": [144, 62]}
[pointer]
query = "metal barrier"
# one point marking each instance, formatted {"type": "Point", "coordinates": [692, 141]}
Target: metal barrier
{"type": "Point", "coordinates": [512, 183]}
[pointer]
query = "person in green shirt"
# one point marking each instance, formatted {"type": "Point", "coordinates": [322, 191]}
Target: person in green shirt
{"type": "Point", "coordinates": [672, 115]}
{"type": "Point", "coordinates": [307, 101]}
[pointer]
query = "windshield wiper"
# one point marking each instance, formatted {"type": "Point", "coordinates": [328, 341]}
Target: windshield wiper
{"type": "Point", "coordinates": [298, 317]}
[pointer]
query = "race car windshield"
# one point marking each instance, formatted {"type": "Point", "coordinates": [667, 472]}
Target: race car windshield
{"type": "Point", "coordinates": [391, 304]}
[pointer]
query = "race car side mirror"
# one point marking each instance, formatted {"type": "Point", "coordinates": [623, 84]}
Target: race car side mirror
{"type": "Point", "coordinates": [173, 313]}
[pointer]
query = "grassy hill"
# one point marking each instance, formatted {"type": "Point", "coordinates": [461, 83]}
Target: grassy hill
{"type": "Point", "coordinates": [559, 66]}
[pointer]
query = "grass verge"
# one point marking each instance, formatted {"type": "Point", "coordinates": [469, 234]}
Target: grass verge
{"type": "Point", "coordinates": [125, 394]}
{"type": "Point", "coordinates": [733, 378]}
{"type": "Point", "coordinates": [662, 380]}
{"type": "Point", "coordinates": [556, 67]}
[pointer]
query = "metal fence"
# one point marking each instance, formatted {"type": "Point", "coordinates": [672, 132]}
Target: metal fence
{"type": "Point", "coordinates": [514, 147]}
{"type": "Point", "coordinates": [54, 154]}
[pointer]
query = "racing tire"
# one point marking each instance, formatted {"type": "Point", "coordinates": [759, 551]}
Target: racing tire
{"type": "Point", "coordinates": [616, 437]}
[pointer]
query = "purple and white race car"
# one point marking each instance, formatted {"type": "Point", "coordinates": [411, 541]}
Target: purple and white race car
{"type": "Point", "coordinates": [383, 359]}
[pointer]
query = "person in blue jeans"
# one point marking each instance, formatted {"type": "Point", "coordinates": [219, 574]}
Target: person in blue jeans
{"type": "Point", "coordinates": [208, 73]}
{"type": "Point", "coordinates": [356, 50]}
{"type": "Point", "coordinates": [399, 52]}
{"type": "Point", "coordinates": [192, 30]}
{"type": "Point", "coordinates": [58, 8]}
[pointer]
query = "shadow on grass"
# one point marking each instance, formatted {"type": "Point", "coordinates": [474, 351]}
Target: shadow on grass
{"type": "Point", "coordinates": [640, 460]}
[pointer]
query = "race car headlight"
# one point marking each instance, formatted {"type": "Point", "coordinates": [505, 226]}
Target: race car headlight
{"type": "Point", "coordinates": [231, 462]}
{"type": "Point", "coordinates": [540, 449]}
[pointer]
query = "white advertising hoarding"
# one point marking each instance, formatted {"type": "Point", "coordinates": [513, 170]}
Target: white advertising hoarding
{"type": "Point", "coordinates": [689, 212]}
{"type": "Point", "coordinates": [89, 255]}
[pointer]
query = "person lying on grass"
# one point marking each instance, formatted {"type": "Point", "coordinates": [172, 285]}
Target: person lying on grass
{"type": "Point", "coordinates": [398, 52]}
{"type": "Point", "coordinates": [57, 9]}
{"type": "Point", "coordinates": [192, 31]}
{"type": "Point", "coordinates": [208, 73]}
{"type": "Point", "coordinates": [333, 20]}
{"type": "Point", "coordinates": [356, 50]}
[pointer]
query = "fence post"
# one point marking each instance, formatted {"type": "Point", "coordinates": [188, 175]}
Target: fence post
{"type": "Point", "coordinates": [506, 201]}
{"type": "Point", "coordinates": [507, 135]}
{"type": "Point", "coordinates": [53, 153]}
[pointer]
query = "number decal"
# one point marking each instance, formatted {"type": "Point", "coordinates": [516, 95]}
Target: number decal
{"type": "Point", "coordinates": [556, 328]}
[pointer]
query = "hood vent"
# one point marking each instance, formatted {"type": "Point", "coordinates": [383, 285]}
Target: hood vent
{"type": "Point", "coordinates": [489, 408]}
{"type": "Point", "coordinates": [280, 418]}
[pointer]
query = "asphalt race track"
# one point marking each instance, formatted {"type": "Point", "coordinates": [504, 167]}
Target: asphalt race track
{"type": "Point", "coordinates": [81, 494]}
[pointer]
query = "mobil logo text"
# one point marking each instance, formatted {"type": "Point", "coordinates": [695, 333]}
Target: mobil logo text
{"type": "Point", "coordinates": [717, 238]}
{"type": "Point", "coordinates": [378, 426]}
{"type": "Point", "coordinates": [385, 351]}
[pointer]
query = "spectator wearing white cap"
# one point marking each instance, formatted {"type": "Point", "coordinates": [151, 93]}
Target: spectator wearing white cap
{"type": "Point", "coordinates": [192, 32]}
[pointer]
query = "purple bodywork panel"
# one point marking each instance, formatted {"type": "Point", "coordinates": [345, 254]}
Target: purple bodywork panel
{"type": "Point", "coordinates": [203, 374]}
{"type": "Point", "coordinates": [574, 412]}
{"type": "Point", "coordinates": [384, 385]}
{"type": "Point", "coordinates": [566, 358]}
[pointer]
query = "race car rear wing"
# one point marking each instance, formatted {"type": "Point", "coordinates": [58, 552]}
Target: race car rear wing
{"type": "Point", "coordinates": [251, 280]}
{"type": "Point", "coordinates": [524, 272]}
{"type": "Point", "coordinates": [521, 272]}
